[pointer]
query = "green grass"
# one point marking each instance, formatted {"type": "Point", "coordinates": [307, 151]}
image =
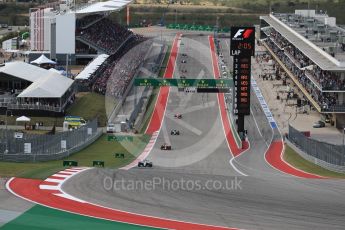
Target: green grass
{"type": "Point", "coordinates": [47, 121]}
{"type": "Point", "coordinates": [102, 150]}
{"type": "Point", "coordinates": [297, 161]}
{"type": "Point", "coordinates": [89, 106]}
{"type": "Point", "coordinates": [151, 105]}
{"type": "Point", "coordinates": [40, 218]}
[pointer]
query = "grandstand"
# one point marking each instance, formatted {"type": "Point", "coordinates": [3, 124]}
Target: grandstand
{"type": "Point", "coordinates": [77, 33]}
{"type": "Point", "coordinates": [96, 74]}
{"type": "Point", "coordinates": [73, 35]}
{"type": "Point", "coordinates": [311, 48]}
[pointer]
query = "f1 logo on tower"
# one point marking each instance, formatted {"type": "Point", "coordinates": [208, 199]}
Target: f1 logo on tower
{"type": "Point", "coordinates": [243, 34]}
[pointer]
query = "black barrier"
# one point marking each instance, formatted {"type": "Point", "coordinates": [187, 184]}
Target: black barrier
{"type": "Point", "coordinates": [98, 164]}
{"type": "Point", "coordinates": [70, 163]}
{"type": "Point", "coordinates": [119, 155]}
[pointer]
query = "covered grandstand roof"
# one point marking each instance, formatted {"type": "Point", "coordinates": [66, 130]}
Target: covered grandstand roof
{"type": "Point", "coordinates": [112, 5]}
{"type": "Point", "coordinates": [45, 83]}
{"type": "Point", "coordinates": [322, 61]}
{"type": "Point", "coordinates": [92, 67]}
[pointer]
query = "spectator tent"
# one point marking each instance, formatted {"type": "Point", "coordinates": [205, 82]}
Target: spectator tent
{"type": "Point", "coordinates": [35, 88]}
{"type": "Point", "coordinates": [23, 119]}
{"type": "Point", "coordinates": [43, 60]}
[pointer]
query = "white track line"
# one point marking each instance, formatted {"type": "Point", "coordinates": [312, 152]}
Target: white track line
{"type": "Point", "coordinates": [53, 180]}
{"type": "Point", "coordinates": [49, 187]}
{"type": "Point", "coordinates": [61, 175]}
{"type": "Point", "coordinates": [68, 173]}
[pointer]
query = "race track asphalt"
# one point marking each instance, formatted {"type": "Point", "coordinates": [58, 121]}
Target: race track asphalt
{"type": "Point", "coordinates": [265, 199]}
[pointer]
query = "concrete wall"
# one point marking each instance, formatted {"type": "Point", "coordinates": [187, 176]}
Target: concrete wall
{"type": "Point", "coordinates": [65, 34]}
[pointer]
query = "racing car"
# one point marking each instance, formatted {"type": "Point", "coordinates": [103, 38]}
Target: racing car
{"type": "Point", "coordinates": [183, 61]}
{"type": "Point", "coordinates": [178, 115]}
{"type": "Point", "coordinates": [165, 147]}
{"type": "Point", "coordinates": [175, 132]}
{"type": "Point", "coordinates": [184, 55]}
{"type": "Point", "coordinates": [145, 163]}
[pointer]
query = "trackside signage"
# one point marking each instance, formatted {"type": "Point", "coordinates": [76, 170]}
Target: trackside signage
{"type": "Point", "coordinates": [263, 104]}
{"type": "Point", "coordinates": [242, 41]}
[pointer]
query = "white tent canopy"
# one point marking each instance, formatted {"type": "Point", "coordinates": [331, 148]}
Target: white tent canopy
{"type": "Point", "coordinates": [23, 118]}
{"type": "Point", "coordinates": [92, 67]}
{"type": "Point", "coordinates": [51, 86]}
{"type": "Point", "coordinates": [45, 83]}
{"type": "Point", "coordinates": [43, 60]}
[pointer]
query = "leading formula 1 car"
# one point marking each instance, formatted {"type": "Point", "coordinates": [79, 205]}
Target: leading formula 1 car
{"type": "Point", "coordinates": [165, 147]}
{"type": "Point", "coordinates": [145, 163]}
{"type": "Point", "coordinates": [175, 132]}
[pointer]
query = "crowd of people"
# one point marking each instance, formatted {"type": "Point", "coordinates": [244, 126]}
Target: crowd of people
{"type": "Point", "coordinates": [278, 39]}
{"type": "Point", "coordinates": [325, 100]}
{"type": "Point", "coordinates": [106, 35]}
{"type": "Point", "coordinates": [298, 57]}
{"type": "Point", "coordinates": [87, 20]}
{"type": "Point", "coordinates": [113, 76]}
{"type": "Point", "coordinates": [125, 69]}
{"type": "Point", "coordinates": [327, 80]}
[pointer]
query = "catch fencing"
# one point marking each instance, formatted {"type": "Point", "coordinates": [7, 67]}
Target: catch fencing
{"type": "Point", "coordinates": [45, 147]}
{"type": "Point", "coordinates": [324, 154]}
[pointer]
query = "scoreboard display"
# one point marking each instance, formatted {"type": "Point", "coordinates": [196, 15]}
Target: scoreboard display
{"type": "Point", "coordinates": [242, 84]}
{"type": "Point", "coordinates": [242, 48]}
{"type": "Point", "coordinates": [242, 41]}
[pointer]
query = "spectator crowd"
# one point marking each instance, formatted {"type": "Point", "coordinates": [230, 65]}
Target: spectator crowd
{"type": "Point", "coordinates": [327, 80]}
{"type": "Point", "coordinates": [116, 72]}
{"type": "Point", "coordinates": [125, 69]}
{"type": "Point", "coordinates": [84, 22]}
{"type": "Point", "coordinates": [126, 50]}
{"type": "Point", "coordinates": [105, 34]}
{"type": "Point", "coordinates": [325, 100]}
{"type": "Point", "coordinates": [309, 75]}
